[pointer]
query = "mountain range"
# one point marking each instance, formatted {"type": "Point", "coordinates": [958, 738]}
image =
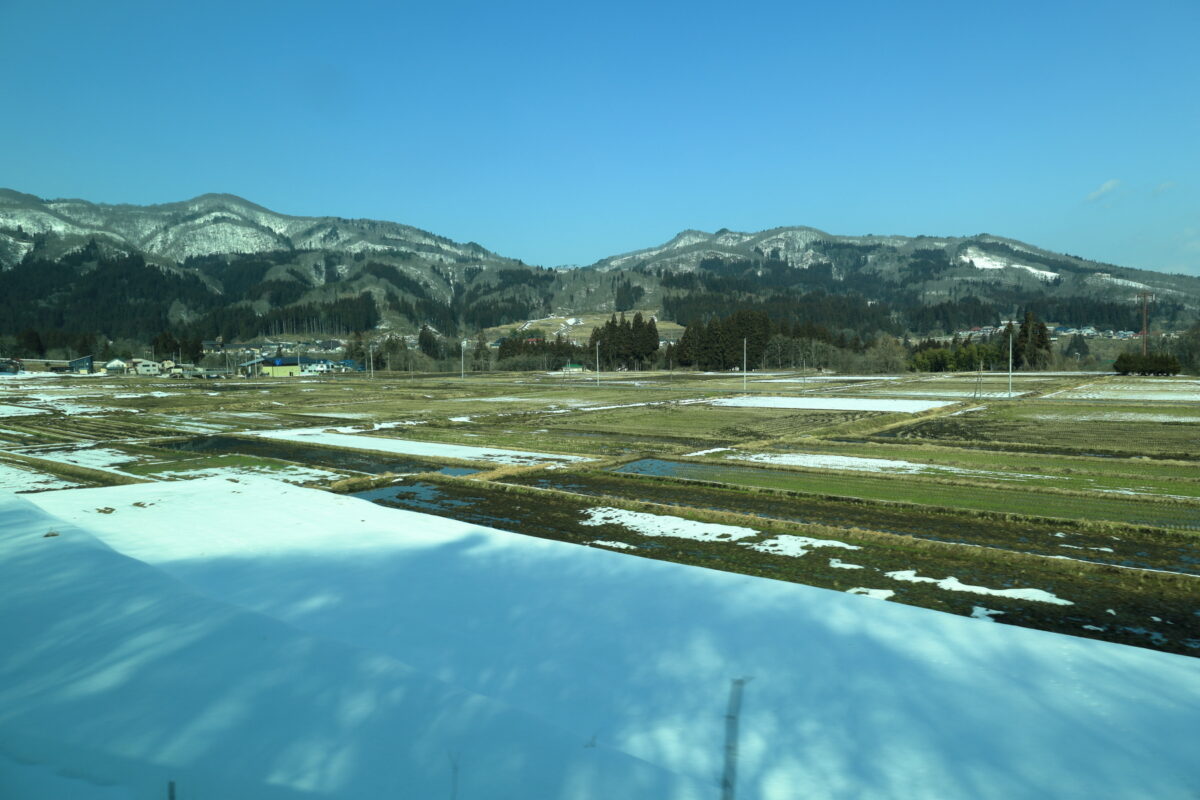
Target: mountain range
{"type": "Point", "coordinates": [219, 264]}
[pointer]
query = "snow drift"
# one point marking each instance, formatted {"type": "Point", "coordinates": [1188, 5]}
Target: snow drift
{"type": "Point", "coordinates": [306, 644]}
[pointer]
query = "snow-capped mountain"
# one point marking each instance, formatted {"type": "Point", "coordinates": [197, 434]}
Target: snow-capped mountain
{"type": "Point", "coordinates": [982, 259]}
{"type": "Point", "coordinates": [221, 262]}
{"type": "Point", "coordinates": [212, 224]}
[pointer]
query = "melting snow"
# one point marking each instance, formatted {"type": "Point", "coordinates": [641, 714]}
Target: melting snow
{"type": "Point", "coordinates": [833, 378]}
{"type": "Point", "coordinates": [834, 403]}
{"type": "Point", "coordinates": [411, 447]}
{"type": "Point", "coordinates": [20, 411]}
{"type": "Point", "coordinates": [617, 545]}
{"type": "Point", "coordinates": [863, 464]}
{"type": "Point", "coordinates": [709, 451]}
{"type": "Point", "coordinates": [291, 473]}
{"type": "Point", "coordinates": [877, 594]}
{"type": "Point", "coordinates": [15, 479]}
{"type": "Point", "coordinates": [953, 584]}
{"type": "Point", "coordinates": [981, 612]}
{"type": "Point", "coordinates": [982, 260]}
{"type": "Point", "coordinates": [796, 546]}
{"type": "Point", "coordinates": [94, 457]}
{"type": "Point", "coordinates": [666, 525]}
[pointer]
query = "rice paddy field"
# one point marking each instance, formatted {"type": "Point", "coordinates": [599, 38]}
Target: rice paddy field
{"type": "Point", "coordinates": [1070, 503]}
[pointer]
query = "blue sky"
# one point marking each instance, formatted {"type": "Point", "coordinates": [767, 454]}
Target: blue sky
{"type": "Point", "coordinates": [562, 132]}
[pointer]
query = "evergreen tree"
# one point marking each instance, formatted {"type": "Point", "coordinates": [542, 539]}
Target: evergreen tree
{"type": "Point", "coordinates": [165, 345]}
{"type": "Point", "coordinates": [1077, 347]}
{"type": "Point", "coordinates": [480, 356]}
{"type": "Point", "coordinates": [650, 339]}
{"type": "Point", "coordinates": [637, 332]}
{"type": "Point", "coordinates": [430, 343]}
{"type": "Point", "coordinates": [686, 349]}
{"type": "Point", "coordinates": [29, 344]}
{"type": "Point", "coordinates": [356, 349]}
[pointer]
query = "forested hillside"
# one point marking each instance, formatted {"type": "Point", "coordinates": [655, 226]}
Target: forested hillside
{"type": "Point", "coordinates": [218, 265]}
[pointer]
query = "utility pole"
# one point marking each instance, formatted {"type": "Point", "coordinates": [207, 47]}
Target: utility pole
{"type": "Point", "coordinates": [462, 359]}
{"type": "Point", "coordinates": [597, 365]}
{"type": "Point", "coordinates": [1010, 345]}
{"type": "Point", "coordinates": [743, 366]}
{"type": "Point", "coordinates": [1145, 297]}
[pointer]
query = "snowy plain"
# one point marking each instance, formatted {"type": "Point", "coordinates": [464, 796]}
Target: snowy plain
{"type": "Point", "coordinates": [352, 649]}
{"type": "Point", "coordinates": [121, 678]}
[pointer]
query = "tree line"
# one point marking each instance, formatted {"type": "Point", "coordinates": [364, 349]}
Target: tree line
{"type": "Point", "coordinates": [1149, 364]}
{"type": "Point", "coordinates": [1031, 350]}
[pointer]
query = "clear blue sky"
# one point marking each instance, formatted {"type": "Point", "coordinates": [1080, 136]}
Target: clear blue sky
{"type": "Point", "coordinates": [562, 132]}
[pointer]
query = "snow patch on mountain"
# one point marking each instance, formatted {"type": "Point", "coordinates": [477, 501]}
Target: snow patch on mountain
{"type": "Point", "coordinates": [981, 260]}
{"type": "Point", "coordinates": [1104, 277]}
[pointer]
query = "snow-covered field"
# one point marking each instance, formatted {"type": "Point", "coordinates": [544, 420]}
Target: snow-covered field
{"type": "Point", "coordinates": [190, 424]}
{"type": "Point", "coordinates": [1116, 416]}
{"type": "Point", "coordinates": [7, 378]}
{"type": "Point", "coordinates": [20, 411]}
{"type": "Point", "coordinates": [410, 447]}
{"type": "Point", "coordinates": [833, 378]}
{"type": "Point", "coordinates": [1179, 391]}
{"type": "Point", "coordinates": [967, 393]}
{"type": "Point", "coordinates": [1017, 376]}
{"type": "Point", "coordinates": [666, 525]}
{"type": "Point", "coordinates": [359, 651]}
{"type": "Point", "coordinates": [885, 465]}
{"type": "Point", "coordinates": [46, 402]}
{"type": "Point", "coordinates": [293, 473]}
{"type": "Point", "coordinates": [15, 479]}
{"type": "Point", "coordinates": [85, 456]}
{"type": "Point", "coordinates": [834, 403]}
{"type": "Point", "coordinates": [797, 546]}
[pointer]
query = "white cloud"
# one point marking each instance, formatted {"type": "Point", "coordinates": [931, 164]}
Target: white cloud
{"type": "Point", "coordinates": [1106, 187]}
{"type": "Point", "coordinates": [1166, 186]}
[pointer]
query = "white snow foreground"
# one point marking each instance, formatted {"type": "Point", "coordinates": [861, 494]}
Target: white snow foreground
{"type": "Point", "coordinates": [119, 678]}
{"type": "Point", "coordinates": [283, 638]}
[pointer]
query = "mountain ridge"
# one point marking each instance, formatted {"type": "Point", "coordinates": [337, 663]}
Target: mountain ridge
{"type": "Point", "coordinates": [227, 258]}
